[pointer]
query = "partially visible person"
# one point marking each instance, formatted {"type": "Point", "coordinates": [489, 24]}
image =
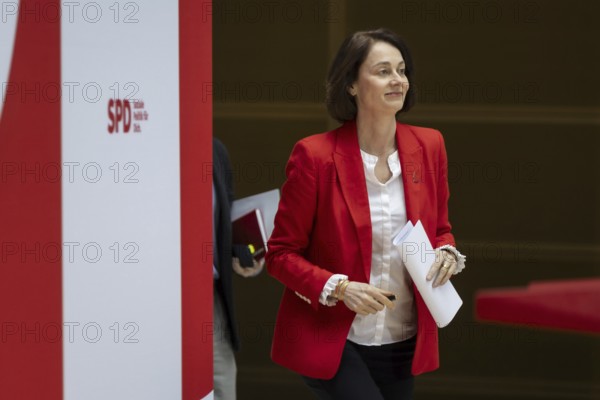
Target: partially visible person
{"type": "Point", "coordinates": [225, 334]}
{"type": "Point", "coordinates": [351, 321]}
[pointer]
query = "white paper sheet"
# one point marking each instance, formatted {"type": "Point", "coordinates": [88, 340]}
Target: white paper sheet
{"type": "Point", "coordinates": [418, 255]}
{"type": "Point", "coordinates": [266, 202]}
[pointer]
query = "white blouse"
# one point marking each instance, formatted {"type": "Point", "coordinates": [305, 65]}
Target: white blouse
{"type": "Point", "coordinates": [388, 216]}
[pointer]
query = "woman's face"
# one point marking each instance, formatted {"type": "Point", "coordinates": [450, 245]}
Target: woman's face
{"type": "Point", "coordinates": [381, 84]}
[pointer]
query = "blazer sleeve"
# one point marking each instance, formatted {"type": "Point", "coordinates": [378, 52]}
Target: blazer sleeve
{"type": "Point", "coordinates": [294, 223]}
{"type": "Point", "coordinates": [443, 230]}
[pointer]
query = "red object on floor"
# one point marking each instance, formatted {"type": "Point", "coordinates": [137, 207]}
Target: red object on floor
{"type": "Point", "coordinates": [572, 305]}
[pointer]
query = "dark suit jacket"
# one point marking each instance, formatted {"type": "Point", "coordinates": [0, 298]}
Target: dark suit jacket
{"type": "Point", "coordinates": [323, 227]}
{"type": "Point", "coordinates": [222, 178]}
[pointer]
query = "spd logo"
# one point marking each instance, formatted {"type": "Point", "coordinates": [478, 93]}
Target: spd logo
{"type": "Point", "coordinates": [119, 116]}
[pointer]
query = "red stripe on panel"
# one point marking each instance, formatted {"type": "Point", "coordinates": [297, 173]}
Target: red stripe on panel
{"type": "Point", "coordinates": [30, 211]}
{"type": "Point", "coordinates": [195, 58]}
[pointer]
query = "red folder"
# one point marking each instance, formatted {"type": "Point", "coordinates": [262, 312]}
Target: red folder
{"type": "Point", "coordinates": [249, 230]}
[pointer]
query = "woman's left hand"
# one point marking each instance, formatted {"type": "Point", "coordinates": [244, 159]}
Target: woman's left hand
{"type": "Point", "coordinates": [443, 268]}
{"type": "Point", "coordinates": [248, 272]}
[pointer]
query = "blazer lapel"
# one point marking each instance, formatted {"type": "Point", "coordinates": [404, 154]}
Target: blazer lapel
{"type": "Point", "coordinates": [351, 175]}
{"type": "Point", "coordinates": [411, 160]}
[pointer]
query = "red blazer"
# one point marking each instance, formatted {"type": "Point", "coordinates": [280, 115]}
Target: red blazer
{"type": "Point", "coordinates": [323, 227]}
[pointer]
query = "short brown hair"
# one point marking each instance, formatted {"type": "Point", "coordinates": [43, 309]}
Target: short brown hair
{"type": "Point", "coordinates": [344, 71]}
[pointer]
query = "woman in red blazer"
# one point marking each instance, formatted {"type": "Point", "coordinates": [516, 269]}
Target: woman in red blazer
{"type": "Point", "coordinates": [351, 322]}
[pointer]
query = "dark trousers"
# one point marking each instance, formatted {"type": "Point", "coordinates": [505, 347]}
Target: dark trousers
{"type": "Point", "coordinates": [370, 373]}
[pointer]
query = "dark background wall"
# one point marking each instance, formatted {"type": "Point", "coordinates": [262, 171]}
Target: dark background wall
{"type": "Point", "coordinates": [514, 86]}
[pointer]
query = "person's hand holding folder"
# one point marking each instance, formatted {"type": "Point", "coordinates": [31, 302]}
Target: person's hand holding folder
{"type": "Point", "coordinates": [249, 243]}
{"type": "Point", "coordinates": [248, 272]}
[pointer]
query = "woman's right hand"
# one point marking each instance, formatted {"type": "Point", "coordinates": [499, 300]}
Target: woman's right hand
{"type": "Point", "coordinates": [365, 299]}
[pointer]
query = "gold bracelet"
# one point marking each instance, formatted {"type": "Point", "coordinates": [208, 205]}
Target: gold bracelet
{"type": "Point", "coordinates": [343, 290]}
{"type": "Point", "coordinates": [336, 292]}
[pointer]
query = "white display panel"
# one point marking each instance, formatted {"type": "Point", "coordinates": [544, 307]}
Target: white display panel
{"type": "Point", "coordinates": [121, 191]}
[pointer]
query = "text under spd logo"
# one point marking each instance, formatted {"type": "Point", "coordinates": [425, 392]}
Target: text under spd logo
{"type": "Point", "coordinates": [125, 116]}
